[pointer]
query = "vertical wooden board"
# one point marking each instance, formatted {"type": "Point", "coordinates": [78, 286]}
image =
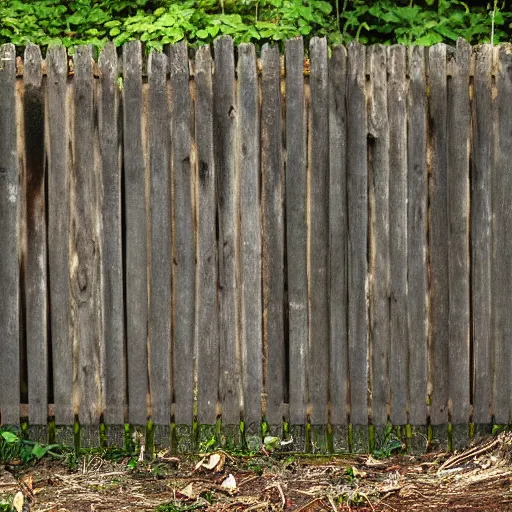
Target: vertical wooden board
{"type": "Point", "coordinates": [296, 245]}
{"type": "Point", "coordinates": [86, 254]}
{"type": "Point", "coordinates": [224, 154]}
{"type": "Point", "coordinates": [160, 272]}
{"type": "Point", "coordinates": [357, 185]}
{"type": "Point", "coordinates": [417, 189]}
{"type": "Point", "coordinates": [502, 229]}
{"type": "Point", "coordinates": [9, 234]}
{"type": "Point", "coordinates": [458, 133]}
{"type": "Point", "coordinates": [183, 253]}
{"type": "Point", "coordinates": [273, 233]}
{"type": "Point", "coordinates": [35, 263]}
{"type": "Point", "coordinates": [248, 162]}
{"type": "Point", "coordinates": [338, 382]}
{"type": "Point", "coordinates": [136, 293]}
{"type": "Point", "coordinates": [59, 170]}
{"type": "Point", "coordinates": [379, 268]}
{"type": "Point", "coordinates": [438, 239]}
{"type": "Point", "coordinates": [481, 242]}
{"type": "Point", "coordinates": [207, 323]}
{"type": "Point", "coordinates": [112, 259]}
{"type": "Point", "coordinates": [398, 363]}
{"type": "Point", "coordinates": [318, 221]}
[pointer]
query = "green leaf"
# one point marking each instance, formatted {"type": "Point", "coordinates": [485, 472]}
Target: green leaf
{"type": "Point", "coordinates": [9, 437]}
{"type": "Point", "coordinates": [323, 6]}
{"type": "Point", "coordinates": [428, 39]}
{"type": "Point", "coordinates": [114, 32]}
{"type": "Point", "coordinates": [39, 451]}
{"type": "Point", "coordinates": [158, 12]}
{"type": "Point", "coordinates": [202, 34]}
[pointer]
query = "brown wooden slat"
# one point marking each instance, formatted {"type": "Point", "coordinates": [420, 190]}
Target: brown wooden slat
{"type": "Point", "coordinates": [59, 223]}
{"type": "Point", "coordinates": [9, 234]}
{"type": "Point", "coordinates": [183, 254]}
{"type": "Point", "coordinates": [160, 273]}
{"type": "Point", "coordinates": [206, 297]}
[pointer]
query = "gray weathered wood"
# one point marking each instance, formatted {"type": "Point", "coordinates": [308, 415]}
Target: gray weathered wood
{"type": "Point", "coordinates": [501, 190]}
{"type": "Point", "coordinates": [85, 257]}
{"type": "Point", "coordinates": [35, 258]}
{"type": "Point", "coordinates": [59, 223]}
{"type": "Point", "coordinates": [438, 239]}
{"type": "Point", "coordinates": [273, 232]}
{"type": "Point", "coordinates": [296, 234]}
{"type": "Point", "coordinates": [9, 236]}
{"type": "Point", "coordinates": [224, 150]}
{"type": "Point", "coordinates": [319, 234]}
{"type": "Point", "coordinates": [458, 133]}
{"type": "Point", "coordinates": [160, 260]}
{"type": "Point", "coordinates": [338, 235]}
{"type": "Point", "coordinates": [206, 276]}
{"type": "Point", "coordinates": [357, 185]}
{"type": "Point", "coordinates": [248, 161]}
{"type": "Point", "coordinates": [135, 234]}
{"type": "Point", "coordinates": [183, 253]}
{"type": "Point", "coordinates": [110, 136]}
{"type": "Point", "coordinates": [398, 362]}
{"type": "Point", "coordinates": [417, 182]}
{"type": "Point", "coordinates": [379, 183]}
{"type": "Point", "coordinates": [481, 158]}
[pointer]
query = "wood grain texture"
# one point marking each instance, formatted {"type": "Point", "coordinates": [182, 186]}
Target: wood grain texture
{"type": "Point", "coordinates": [357, 186]}
{"type": "Point", "coordinates": [9, 235]}
{"type": "Point", "coordinates": [36, 293]}
{"type": "Point", "coordinates": [272, 170]}
{"type": "Point", "coordinates": [248, 161]}
{"type": "Point", "coordinates": [206, 210]}
{"type": "Point", "coordinates": [136, 292]}
{"type": "Point", "coordinates": [417, 183]}
{"type": "Point", "coordinates": [481, 167]}
{"type": "Point", "coordinates": [379, 268]}
{"type": "Point", "coordinates": [338, 236]}
{"type": "Point", "coordinates": [224, 152]}
{"type": "Point", "coordinates": [59, 224]}
{"type": "Point", "coordinates": [296, 230]}
{"type": "Point", "coordinates": [458, 132]}
{"type": "Point", "coordinates": [399, 335]}
{"type": "Point", "coordinates": [110, 138]}
{"type": "Point", "coordinates": [438, 239]}
{"type": "Point", "coordinates": [86, 253]}
{"type": "Point", "coordinates": [183, 249]}
{"type": "Point", "coordinates": [160, 273]}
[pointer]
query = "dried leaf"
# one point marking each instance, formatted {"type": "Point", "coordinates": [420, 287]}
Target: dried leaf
{"type": "Point", "coordinates": [229, 482]}
{"type": "Point", "coordinates": [17, 502]}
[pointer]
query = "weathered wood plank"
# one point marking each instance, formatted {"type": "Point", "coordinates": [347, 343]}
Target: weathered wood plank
{"type": "Point", "coordinates": [160, 273]}
{"type": "Point", "coordinates": [379, 269]}
{"type": "Point", "coordinates": [59, 223]}
{"type": "Point", "coordinates": [9, 235]}
{"type": "Point", "coordinates": [417, 182]}
{"type": "Point", "coordinates": [398, 363]}
{"type": "Point", "coordinates": [319, 234]}
{"type": "Point", "coordinates": [272, 170]}
{"type": "Point", "coordinates": [248, 159]}
{"type": "Point", "coordinates": [224, 151]}
{"type": "Point", "coordinates": [135, 234]}
{"type": "Point", "coordinates": [438, 240]}
{"type": "Point", "coordinates": [481, 158]}
{"type": "Point", "coordinates": [206, 206]}
{"type": "Point", "coordinates": [110, 136]}
{"type": "Point", "coordinates": [458, 132]}
{"type": "Point", "coordinates": [501, 235]}
{"type": "Point", "coordinates": [296, 234]}
{"type": "Point", "coordinates": [35, 259]}
{"type": "Point", "coordinates": [338, 235]}
{"type": "Point", "coordinates": [357, 185]}
{"type": "Point", "coordinates": [86, 265]}
{"type": "Point", "coordinates": [183, 268]}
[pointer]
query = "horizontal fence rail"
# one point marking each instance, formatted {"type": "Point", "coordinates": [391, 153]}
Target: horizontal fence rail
{"type": "Point", "coordinates": [227, 245]}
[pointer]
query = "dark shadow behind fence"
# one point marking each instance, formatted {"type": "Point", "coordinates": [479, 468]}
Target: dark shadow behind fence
{"type": "Point", "coordinates": [322, 245]}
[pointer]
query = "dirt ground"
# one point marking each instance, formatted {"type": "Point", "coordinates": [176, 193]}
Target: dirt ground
{"type": "Point", "coordinates": [477, 479]}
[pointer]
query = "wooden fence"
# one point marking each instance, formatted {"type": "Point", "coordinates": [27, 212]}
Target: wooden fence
{"type": "Point", "coordinates": [324, 243]}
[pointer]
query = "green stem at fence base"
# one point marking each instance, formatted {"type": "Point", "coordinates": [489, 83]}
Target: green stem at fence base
{"type": "Point", "coordinates": [330, 439]}
{"type": "Point", "coordinates": [76, 436]}
{"type": "Point", "coordinates": [103, 436]}
{"type": "Point", "coordinates": [350, 436]}
{"type": "Point", "coordinates": [127, 438]}
{"type": "Point", "coordinates": [449, 435]}
{"type": "Point", "coordinates": [51, 432]}
{"type": "Point", "coordinates": [308, 448]}
{"type": "Point", "coordinates": [371, 438]}
{"type": "Point", "coordinates": [150, 439]}
{"type": "Point", "coordinates": [471, 430]}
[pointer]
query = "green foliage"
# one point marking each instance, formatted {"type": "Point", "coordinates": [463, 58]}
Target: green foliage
{"type": "Point", "coordinates": [160, 22]}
